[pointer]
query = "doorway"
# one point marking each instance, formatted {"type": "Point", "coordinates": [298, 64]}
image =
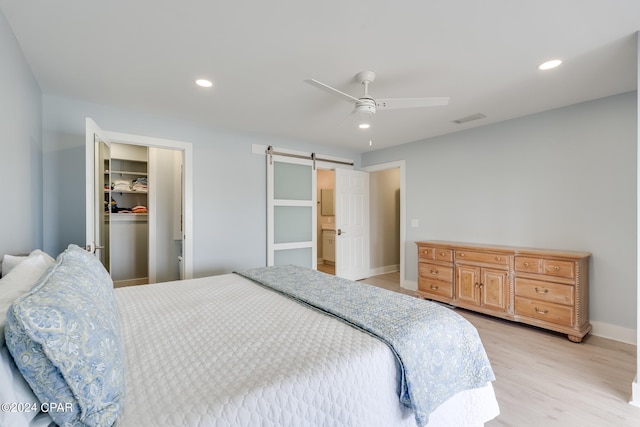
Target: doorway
{"type": "Point", "coordinates": [395, 194]}
{"type": "Point", "coordinates": [292, 207]}
{"type": "Point", "coordinates": [164, 230]}
{"type": "Point", "coordinates": [326, 224]}
{"type": "Point", "coordinates": [384, 228]}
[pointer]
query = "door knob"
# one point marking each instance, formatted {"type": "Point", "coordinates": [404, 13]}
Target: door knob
{"type": "Point", "coordinates": [339, 232]}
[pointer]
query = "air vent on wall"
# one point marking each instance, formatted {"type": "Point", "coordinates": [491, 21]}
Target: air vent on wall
{"type": "Point", "coordinates": [476, 116]}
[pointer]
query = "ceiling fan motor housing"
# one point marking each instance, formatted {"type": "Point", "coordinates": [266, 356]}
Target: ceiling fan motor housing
{"type": "Point", "coordinates": [365, 106]}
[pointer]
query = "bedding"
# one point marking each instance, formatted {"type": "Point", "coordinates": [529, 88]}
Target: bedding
{"type": "Point", "coordinates": [418, 332]}
{"type": "Point", "coordinates": [226, 351]}
{"type": "Point", "coordinates": [215, 351]}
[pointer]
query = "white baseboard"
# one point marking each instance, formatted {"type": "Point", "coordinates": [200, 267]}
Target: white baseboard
{"type": "Point", "coordinates": [383, 270]}
{"type": "Point", "coordinates": [614, 332]}
{"type": "Point", "coordinates": [408, 284]}
{"type": "Point", "coordinates": [635, 392]}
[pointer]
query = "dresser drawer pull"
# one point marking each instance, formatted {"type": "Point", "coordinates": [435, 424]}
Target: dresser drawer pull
{"type": "Point", "coordinates": [526, 264]}
{"type": "Point", "coordinates": [545, 311]}
{"type": "Point", "coordinates": [556, 268]}
{"type": "Point", "coordinates": [498, 258]}
{"type": "Point", "coordinates": [434, 287]}
{"type": "Point", "coordinates": [434, 272]}
{"type": "Point", "coordinates": [542, 290]}
{"type": "Point", "coordinates": [462, 254]}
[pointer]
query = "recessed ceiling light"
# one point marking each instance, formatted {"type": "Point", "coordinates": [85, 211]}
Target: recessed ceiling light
{"type": "Point", "coordinates": [549, 64]}
{"type": "Point", "coordinates": [204, 83]}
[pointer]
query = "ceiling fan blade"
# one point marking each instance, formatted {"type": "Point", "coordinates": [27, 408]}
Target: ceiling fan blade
{"type": "Point", "coordinates": [398, 103]}
{"type": "Point", "coordinates": [345, 96]}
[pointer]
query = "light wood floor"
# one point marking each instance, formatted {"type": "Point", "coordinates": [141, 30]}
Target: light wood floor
{"type": "Point", "coordinates": [543, 379]}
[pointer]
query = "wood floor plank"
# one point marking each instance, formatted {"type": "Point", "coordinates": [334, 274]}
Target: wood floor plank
{"type": "Point", "coordinates": [543, 379]}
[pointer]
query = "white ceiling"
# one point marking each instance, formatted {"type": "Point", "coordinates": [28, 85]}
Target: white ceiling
{"type": "Point", "coordinates": [144, 55]}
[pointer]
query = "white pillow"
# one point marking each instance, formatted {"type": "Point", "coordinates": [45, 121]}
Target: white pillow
{"type": "Point", "coordinates": [15, 389]}
{"type": "Point", "coordinates": [10, 261]}
{"type": "Point", "coordinates": [24, 275]}
{"type": "Point", "coordinates": [20, 280]}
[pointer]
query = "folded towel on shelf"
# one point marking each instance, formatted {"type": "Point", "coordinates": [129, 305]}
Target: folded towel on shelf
{"type": "Point", "coordinates": [121, 185]}
{"type": "Point", "coordinates": [139, 184]}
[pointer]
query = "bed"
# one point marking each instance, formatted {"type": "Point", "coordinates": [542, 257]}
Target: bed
{"type": "Point", "coordinates": [248, 348]}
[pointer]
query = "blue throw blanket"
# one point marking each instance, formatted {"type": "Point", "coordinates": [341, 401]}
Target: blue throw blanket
{"type": "Point", "coordinates": [439, 352]}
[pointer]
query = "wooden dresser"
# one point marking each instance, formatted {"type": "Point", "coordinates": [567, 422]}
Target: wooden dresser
{"type": "Point", "coordinates": [545, 288]}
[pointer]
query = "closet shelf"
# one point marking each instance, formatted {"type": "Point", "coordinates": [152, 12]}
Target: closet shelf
{"type": "Point", "coordinates": [129, 216]}
{"type": "Point", "coordinates": [127, 172]}
{"type": "Point", "coordinates": [127, 191]}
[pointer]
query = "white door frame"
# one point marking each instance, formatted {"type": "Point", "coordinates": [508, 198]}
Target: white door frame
{"type": "Point", "coordinates": [403, 197]}
{"type": "Point", "coordinates": [187, 158]}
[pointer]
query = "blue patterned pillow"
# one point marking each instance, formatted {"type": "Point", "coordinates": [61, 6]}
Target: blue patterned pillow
{"type": "Point", "coordinates": [64, 336]}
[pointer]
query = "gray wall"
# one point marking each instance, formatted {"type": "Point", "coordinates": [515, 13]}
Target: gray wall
{"type": "Point", "coordinates": [20, 149]}
{"type": "Point", "coordinates": [229, 190]}
{"type": "Point", "coordinates": [561, 179]}
{"type": "Point", "coordinates": [384, 217]}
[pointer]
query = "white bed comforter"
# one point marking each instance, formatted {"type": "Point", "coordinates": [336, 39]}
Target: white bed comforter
{"type": "Point", "coordinates": [223, 351]}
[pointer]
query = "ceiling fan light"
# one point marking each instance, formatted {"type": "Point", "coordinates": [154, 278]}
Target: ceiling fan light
{"type": "Point", "coordinates": [204, 83]}
{"type": "Point", "coordinates": [364, 125]}
{"type": "Point", "coordinates": [549, 64]}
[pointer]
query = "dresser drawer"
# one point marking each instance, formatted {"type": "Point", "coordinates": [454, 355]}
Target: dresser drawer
{"type": "Point", "coordinates": [438, 254]}
{"type": "Point", "coordinates": [528, 265]}
{"type": "Point", "coordinates": [435, 287]}
{"type": "Point", "coordinates": [435, 272]}
{"type": "Point", "coordinates": [425, 252]}
{"type": "Point", "coordinates": [489, 258]}
{"type": "Point", "coordinates": [558, 268]}
{"type": "Point", "coordinates": [547, 311]}
{"type": "Point", "coordinates": [544, 291]}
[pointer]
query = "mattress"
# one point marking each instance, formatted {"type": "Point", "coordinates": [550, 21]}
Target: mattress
{"type": "Point", "coordinates": [223, 351]}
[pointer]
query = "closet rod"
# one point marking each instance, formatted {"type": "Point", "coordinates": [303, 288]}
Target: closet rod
{"type": "Point", "coordinates": [313, 157]}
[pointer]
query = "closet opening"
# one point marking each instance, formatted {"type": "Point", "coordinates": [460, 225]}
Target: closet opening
{"type": "Point", "coordinates": [143, 210]}
{"type": "Point", "coordinates": [139, 216]}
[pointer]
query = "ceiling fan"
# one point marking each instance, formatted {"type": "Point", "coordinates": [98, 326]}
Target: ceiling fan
{"type": "Point", "coordinates": [366, 106]}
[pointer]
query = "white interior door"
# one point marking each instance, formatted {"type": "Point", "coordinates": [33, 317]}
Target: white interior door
{"type": "Point", "coordinates": [291, 211]}
{"type": "Point", "coordinates": [97, 145]}
{"type": "Point", "coordinates": [352, 224]}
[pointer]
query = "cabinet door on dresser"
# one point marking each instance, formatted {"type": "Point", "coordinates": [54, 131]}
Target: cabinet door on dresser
{"type": "Point", "coordinates": [468, 284]}
{"type": "Point", "coordinates": [495, 289]}
{"type": "Point", "coordinates": [481, 286]}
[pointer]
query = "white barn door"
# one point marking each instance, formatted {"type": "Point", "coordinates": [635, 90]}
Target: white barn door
{"type": "Point", "coordinates": [291, 211]}
{"type": "Point", "coordinates": [352, 224]}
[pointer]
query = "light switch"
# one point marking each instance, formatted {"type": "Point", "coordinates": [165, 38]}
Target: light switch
{"type": "Point", "coordinates": [415, 223]}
